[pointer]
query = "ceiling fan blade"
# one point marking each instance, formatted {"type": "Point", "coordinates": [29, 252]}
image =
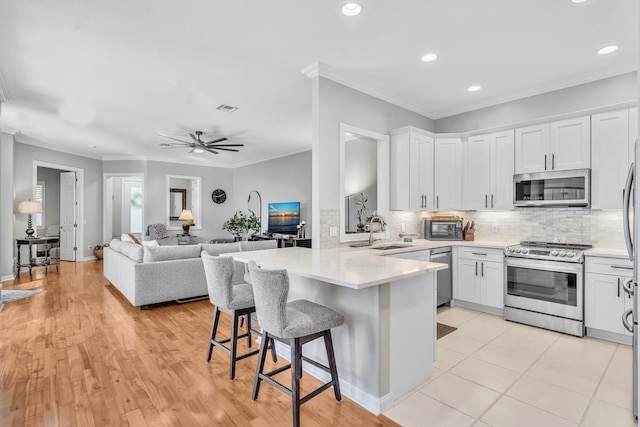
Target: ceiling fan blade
{"type": "Point", "coordinates": [196, 140]}
{"type": "Point", "coordinates": [225, 149]}
{"type": "Point", "coordinates": [227, 145]}
{"type": "Point", "coordinates": [191, 151]}
{"type": "Point", "coordinates": [175, 139]}
{"type": "Point", "coordinates": [174, 146]}
{"type": "Point", "coordinates": [210, 150]}
{"type": "Point", "coordinates": [215, 140]}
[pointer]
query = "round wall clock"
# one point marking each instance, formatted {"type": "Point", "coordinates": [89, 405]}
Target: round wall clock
{"type": "Point", "coordinates": [218, 196]}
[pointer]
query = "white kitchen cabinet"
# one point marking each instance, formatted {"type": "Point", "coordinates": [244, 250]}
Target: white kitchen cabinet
{"type": "Point", "coordinates": [611, 146]}
{"type": "Point", "coordinates": [489, 171]}
{"type": "Point", "coordinates": [561, 145]}
{"type": "Point", "coordinates": [604, 297]}
{"type": "Point", "coordinates": [448, 173]}
{"type": "Point", "coordinates": [411, 179]}
{"type": "Point", "coordinates": [633, 132]}
{"type": "Point", "coordinates": [480, 277]}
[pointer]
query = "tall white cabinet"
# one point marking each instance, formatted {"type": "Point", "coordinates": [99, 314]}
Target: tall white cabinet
{"type": "Point", "coordinates": [412, 175]}
{"type": "Point", "coordinates": [611, 145]}
{"type": "Point", "coordinates": [448, 173]}
{"type": "Point", "coordinates": [560, 145]}
{"type": "Point", "coordinates": [489, 171]}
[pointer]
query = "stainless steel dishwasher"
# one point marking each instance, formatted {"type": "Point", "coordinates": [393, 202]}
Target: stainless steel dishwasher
{"type": "Point", "coordinates": [442, 256]}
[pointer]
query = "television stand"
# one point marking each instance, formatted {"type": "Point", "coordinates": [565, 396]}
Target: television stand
{"type": "Point", "coordinates": [286, 240]}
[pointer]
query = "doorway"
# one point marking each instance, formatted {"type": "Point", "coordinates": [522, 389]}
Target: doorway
{"type": "Point", "coordinates": [59, 188]}
{"type": "Point", "coordinates": [123, 205]}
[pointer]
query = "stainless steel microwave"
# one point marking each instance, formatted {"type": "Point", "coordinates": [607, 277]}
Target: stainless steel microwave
{"type": "Point", "coordinates": [435, 229]}
{"type": "Point", "coordinates": [552, 188]}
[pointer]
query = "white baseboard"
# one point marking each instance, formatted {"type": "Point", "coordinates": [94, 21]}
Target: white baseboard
{"type": "Point", "coordinates": [7, 278]}
{"type": "Point", "coordinates": [89, 258]}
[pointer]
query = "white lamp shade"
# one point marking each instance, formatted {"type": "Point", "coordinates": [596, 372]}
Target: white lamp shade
{"type": "Point", "coordinates": [29, 207]}
{"type": "Point", "coordinates": [186, 215]}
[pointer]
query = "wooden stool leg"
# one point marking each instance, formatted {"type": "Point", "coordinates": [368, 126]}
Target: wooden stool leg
{"type": "Point", "coordinates": [249, 330]}
{"type": "Point", "coordinates": [328, 343]}
{"type": "Point", "coordinates": [234, 344]}
{"type": "Point", "coordinates": [261, 357]}
{"type": "Point", "coordinates": [274, 357]}
{"type": "Point", "coordinates": [296, 368]}
{"type": "Point", "coordinates": [214, 329]}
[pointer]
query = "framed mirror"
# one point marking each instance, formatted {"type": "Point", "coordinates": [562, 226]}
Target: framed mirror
{"type": "Point", "coordinates": [184, 192]}
{"type": "Point", "coordinates": [177, 202]}
{"type": "Point", "coordinates": [364, 183]}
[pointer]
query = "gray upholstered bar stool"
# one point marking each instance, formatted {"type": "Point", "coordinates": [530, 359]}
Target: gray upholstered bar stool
{"type": "Point", "coordinates": [295, 323]}
{"type": "Point", "coordinates": [237, 300]}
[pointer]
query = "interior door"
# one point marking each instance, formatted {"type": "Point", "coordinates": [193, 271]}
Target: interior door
{"type": "Point", "coordinates": [68, 215]}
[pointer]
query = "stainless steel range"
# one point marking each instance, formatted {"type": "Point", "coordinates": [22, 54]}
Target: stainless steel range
{"type": "Point", "coordinates": [544, 285]}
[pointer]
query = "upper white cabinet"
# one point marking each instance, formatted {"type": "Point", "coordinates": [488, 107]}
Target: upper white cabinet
{"type": "Point", "coordinates": [560, 145]}
{"type": "Point", "coordinates": [611, 146]}
{"type": "Point", "coordinates": [411, 180]}
{"type": "Point", "coordinates": [489, 171]}
{"type": "Point", "coordinates": [448, 173]}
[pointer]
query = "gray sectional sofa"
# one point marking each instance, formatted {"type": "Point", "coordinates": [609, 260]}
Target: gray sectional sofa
{"type": "Point", "coordinates": [148, 275]}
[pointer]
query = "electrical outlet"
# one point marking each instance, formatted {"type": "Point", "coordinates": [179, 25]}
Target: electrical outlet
{"type": "Point", "coordinates": [89, 247]}
{"type": "Point", "coordinates": [402, 228]}
{"type": "Point", "coordinates": [494, 227]}
{"type": "Point", "coordinates": [333, 231]}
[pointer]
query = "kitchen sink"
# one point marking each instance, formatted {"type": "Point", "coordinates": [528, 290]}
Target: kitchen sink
{"type": "Point", "coordinates": [388, 247]}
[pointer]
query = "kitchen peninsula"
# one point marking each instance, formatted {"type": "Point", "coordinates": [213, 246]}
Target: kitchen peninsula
{"type": "Point", "coordinates": [387, 345]}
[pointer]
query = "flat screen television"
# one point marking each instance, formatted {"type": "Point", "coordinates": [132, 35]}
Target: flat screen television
{"type": "Point", "coordinates": [284, 218]}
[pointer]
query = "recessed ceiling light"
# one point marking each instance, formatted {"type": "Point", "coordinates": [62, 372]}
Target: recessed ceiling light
{"type": "Point", "coordinates": [429, 57]}
{"type": "Point", "coordinates": [474, 88]}
{"type": "Point", "coordinates": [607, 49]}
{"type": "Point", "coordinates": [198, 150]}
{"type": "Point", "coordinates": [578, 1]}
{"type": "Point", "coordinates": [351, 9]}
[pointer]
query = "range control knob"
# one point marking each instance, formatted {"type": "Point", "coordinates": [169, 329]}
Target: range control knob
{"type": "Point", "coordinates": [518, 250]}
{"type": "Point", "coordinates": [525, 251]}
{"type": "Point", "coordinates": [571, 254]}
{"type": "Point", "coordinates": [554, 252]}
{"type": "Point", "coordinates": [562, 253]}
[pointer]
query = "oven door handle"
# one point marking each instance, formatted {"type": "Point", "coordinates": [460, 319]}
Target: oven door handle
{"type": "Point", "coordinates": [625, 316]}
{"type": "Point", "coordinates": [626, 285]}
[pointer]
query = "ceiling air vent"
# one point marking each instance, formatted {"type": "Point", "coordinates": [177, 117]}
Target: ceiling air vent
{"type": "Point", "coordinates": [227, 108]}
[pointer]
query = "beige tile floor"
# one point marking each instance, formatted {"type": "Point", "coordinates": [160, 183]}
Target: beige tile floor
{"type": "Point", "coordinates": [491, 372]}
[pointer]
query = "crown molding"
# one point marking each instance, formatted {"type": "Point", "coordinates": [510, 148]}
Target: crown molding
{"type": "Point", "coordinates": [320, 69]}
{"type": "Point", "coordinates": [4, 91]}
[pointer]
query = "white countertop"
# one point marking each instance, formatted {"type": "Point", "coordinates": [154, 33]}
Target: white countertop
{"type": "Point", "coordinates": [607, 253]}
{"type": "Point", "coordinates": [355, 268]}
{"type": "Point", "coordinates": [421, 244]}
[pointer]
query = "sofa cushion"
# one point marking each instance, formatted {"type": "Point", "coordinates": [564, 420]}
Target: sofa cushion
{"type": "Point", "coordinates": [167, 253]}
{"type": "Point", "coordinates": [220, 248]}
{"type": "Point", "coordinates": [116, 245]}
{"type": "Point", "coordinates": [258, 245]}
{"type": "Point", "coordinates": [149, 243]}
{"type": "Point", "coordinates": [135, 252]}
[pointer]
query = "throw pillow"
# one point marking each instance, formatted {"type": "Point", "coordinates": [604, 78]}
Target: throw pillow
{"type": "Point", "coordinates": [133, 238]}
{"type": "Point", "coordinates": [125, 238]}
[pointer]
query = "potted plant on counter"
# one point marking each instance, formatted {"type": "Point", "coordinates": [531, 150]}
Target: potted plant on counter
{"type": "Point", "coordinates": [377, 223]}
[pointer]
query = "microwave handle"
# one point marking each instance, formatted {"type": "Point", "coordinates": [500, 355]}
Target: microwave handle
{"type": "Point", "coordinates": [625, 210]}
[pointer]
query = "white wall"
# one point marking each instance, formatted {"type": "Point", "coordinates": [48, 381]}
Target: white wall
{"type": "Point", "coordinates": [286, 179]}
{"type": "Point", "coordinates": [7, 204]}
{"type": "Point", "coordinates": [600, 93]}
{"type": "Point", "coordinates": [333, 103]}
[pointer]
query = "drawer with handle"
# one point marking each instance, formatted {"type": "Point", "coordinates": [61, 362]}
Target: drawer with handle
{"type": "Point", "coordinates": [480, 254]}
{"type": "Point", "coordinates": [612, 266]}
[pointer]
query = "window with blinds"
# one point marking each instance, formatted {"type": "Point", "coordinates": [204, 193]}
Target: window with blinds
{"type": "Point", "coordinates": [39, 197]}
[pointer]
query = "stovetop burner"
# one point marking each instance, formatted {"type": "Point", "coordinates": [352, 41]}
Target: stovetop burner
{"type": "Point", "coordinates": [550, 251]}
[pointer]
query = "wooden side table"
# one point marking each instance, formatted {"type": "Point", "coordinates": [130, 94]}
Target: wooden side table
{"type": "Point", "coordinates": [49, 242]}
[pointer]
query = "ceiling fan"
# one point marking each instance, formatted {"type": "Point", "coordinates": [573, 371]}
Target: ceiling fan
{"type": "Point", "coordinates": [197, 145]}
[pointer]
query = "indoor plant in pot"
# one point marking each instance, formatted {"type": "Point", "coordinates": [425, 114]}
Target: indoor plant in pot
{"type": "Point", "coordinates": [240, 225]}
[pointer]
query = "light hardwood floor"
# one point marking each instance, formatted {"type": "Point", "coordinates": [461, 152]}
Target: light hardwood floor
{"type": "Point", "coordinates": [80, 355]}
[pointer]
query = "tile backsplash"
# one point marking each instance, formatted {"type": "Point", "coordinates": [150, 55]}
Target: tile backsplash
{"type": "Point", "coordinates": [601, 228]}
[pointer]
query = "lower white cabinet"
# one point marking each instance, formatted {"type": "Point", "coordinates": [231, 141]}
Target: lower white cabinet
{"type": "Point", "coordinates": [604, 297]}
{"type": "Point", "coordinates": [480, 277]}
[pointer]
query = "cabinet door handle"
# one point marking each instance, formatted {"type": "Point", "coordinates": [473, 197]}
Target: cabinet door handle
{"type": "Point", "coordinates": [618, 287]}
{"type": "Point", "coordinates": [553, 162]}
{"type": "Point", "coordinates": [425, 201]}
{"type": "Point", "coordinates": [545, 162]}
{"type": "Point", "coordinates": [476, 268]}
{"type": "Point", "coordinates": [482, 269]}
{"type": "Point", "coordinates": [622, 267]}
{"type": "Point", "coordinates": [437, 202]}
{"type": "Point", "coordinates": [492, 201]}
{"type": "Point", "coordinates": [486, 203]}
{"type": "Point", "coordinates": [479, 253]}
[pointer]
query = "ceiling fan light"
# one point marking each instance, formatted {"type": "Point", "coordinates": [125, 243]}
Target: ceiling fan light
{"type": "Point", "coordinates": [351, 9]}
{"type": "Point", "coordinates": [198, 150]}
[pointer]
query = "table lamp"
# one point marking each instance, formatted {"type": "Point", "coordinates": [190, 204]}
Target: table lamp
{"type": "Point", "coordinates": [29, 208]}
{"type": "Point", "coordinates": [187, 216]}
